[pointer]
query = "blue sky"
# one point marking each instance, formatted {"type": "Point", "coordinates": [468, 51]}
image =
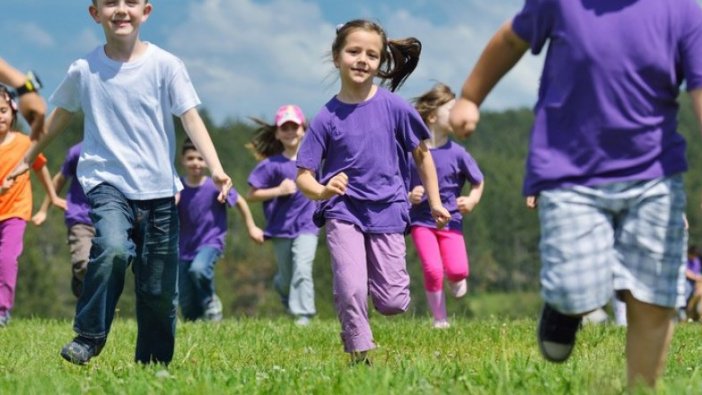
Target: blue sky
{"type": "Point", "coordinates": [247, 57]}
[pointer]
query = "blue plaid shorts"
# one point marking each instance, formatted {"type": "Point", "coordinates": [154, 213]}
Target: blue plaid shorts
{"type": "Point", "coordinates": [620, 236]}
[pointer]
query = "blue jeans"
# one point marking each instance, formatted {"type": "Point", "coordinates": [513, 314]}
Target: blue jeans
{"type": "Point", "coordinates": [143, 233]}
{"type": "Point", "coordinates": [293, 281]}
{"type": "Point", "coordinates": [196, 282]}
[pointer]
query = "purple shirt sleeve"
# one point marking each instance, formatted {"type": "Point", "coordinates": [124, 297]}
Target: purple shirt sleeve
{"type": "Point", "coordinates": [534, 23]}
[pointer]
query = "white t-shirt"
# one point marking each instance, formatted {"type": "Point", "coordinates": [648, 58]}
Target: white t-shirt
{"type": "Point", "coordinates": [129, 136]}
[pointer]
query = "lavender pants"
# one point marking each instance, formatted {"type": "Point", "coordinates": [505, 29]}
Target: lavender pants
{"type": "Point", "coordinates": [364, 263]}
{"type": "Point", "coordinates": [11, 244]}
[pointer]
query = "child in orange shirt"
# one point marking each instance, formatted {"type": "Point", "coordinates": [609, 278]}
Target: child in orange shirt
{"type": "Point", "coordinates": [15, 200]}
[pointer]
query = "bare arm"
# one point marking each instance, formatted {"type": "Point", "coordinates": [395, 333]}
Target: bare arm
{"type": "Point", "coordinates": [196, 130]}
{"type": "Point", "coordinates": [502, 52]}
{"type": "Point", "coordinates": [467, 203]}
{"type": "Point", "coordinates": [309, 186]}
{"type": "Point", "coordinates": [255, 233]}
{"type": "Point", "coordinates": [31, 105]}
{"type": "Point", "coordinates": [59, 181]}
{"type": "Point", "coordinates": [57, 123]}
{"type": "Point", "coordinates": [427, 173]}
{"type": "Point", "coordinates": [45, 179]}
{"type": "Point", "coordinates": [286, 187]}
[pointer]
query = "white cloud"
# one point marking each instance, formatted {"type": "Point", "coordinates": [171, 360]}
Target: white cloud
{"type": "Point", "coordinates": [34, 34]}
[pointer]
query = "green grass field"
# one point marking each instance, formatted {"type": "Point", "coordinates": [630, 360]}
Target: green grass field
{"type": "Point", "coordinates": [251, 356]}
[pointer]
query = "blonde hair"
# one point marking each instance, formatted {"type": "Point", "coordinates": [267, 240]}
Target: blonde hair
{"type": "Point", "coordinates": [398, 58]}
{"type": "Point", "coordinates": [430, 101]}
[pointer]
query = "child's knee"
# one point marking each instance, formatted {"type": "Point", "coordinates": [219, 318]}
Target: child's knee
{"type": "Point", "coordinates": [395, 304]}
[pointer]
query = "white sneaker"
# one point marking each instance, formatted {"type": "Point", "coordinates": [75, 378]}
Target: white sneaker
{"type": "Point", "coordinates": [302, 320]}
{"type": "Point", "coordinates": [441, 324]}
{"type": "Point", "coordinates": [458, 289]}
{"type": "Point", "coordinates": [214, 310]}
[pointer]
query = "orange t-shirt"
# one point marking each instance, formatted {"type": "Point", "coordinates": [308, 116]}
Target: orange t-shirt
{"type": "Point", "coordinates": [17, 201]}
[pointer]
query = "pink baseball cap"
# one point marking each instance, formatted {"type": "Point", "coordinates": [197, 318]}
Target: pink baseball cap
{"type": "Point", "coordinates": [289, 113]}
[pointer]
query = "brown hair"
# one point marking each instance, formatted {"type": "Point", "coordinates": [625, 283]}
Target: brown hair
{"type": "Point", "coordinates": [187, 146]}
{"type": "Point", "coordinates": [430, 101]}
{"type": "Point", "coordinates": [263, 143]}
{"type": "Point", "coordinates": [7, 96]}
{"type": "Point", "coordinates": [398, 58]}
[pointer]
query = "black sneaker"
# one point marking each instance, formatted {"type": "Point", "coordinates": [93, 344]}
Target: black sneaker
{"type": "Point", "coordinates": [556, 334]}
{"type": "Point", "coordinates": [81, 349]}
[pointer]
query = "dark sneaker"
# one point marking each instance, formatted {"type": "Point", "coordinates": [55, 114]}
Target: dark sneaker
{"type": "Point", "coordinates": [81, 349]}
{"type": "Point", "coordinates": [556, 334]}
{"type": "Point", "coordinates": [360, 358]}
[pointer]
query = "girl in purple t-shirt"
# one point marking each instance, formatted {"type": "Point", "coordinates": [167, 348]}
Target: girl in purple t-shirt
{"type": "Point", "coordinates": [354, 159]}
{"type": "Point", "coordinates": [288, 212]}
{"type": "Point", "coordinates": [443, 250]}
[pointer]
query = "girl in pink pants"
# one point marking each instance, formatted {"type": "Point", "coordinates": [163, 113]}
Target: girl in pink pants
{"type": "Point", "coordinates": [443, 251]}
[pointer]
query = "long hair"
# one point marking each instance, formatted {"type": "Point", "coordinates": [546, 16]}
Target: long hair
{"type": "Point", "coordinates": [263, 144]}
{"type": "Point", "coordinates": [431, 100]}
{"type": "Point", "coordinates": [398, 58]}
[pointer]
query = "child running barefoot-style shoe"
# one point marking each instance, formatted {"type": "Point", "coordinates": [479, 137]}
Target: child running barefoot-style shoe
{"type": "Point", "coordinates": [81, 349]}
{"type": "Point", "coordinates": [556, 334]}
{"type": "Point", "coordinates": [458, 289]}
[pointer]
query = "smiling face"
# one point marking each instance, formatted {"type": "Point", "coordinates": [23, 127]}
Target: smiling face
{"type": "Point", "coordinates": [120, 19]}
{"type": "Point", "coordinates": [193, 163]}
{"type": "Point", "coordinates": [359, 57]}
{"type": "Point", "coordinates": [7, 116]}
{"type": "Point", "coordinates": [289, 134]}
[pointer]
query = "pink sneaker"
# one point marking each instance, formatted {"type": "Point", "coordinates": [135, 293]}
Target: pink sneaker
{"type": "Point", "coordinates": [459, 288]}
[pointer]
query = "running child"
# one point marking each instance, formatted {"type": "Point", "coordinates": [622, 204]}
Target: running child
{"type": "Point", "coordinates": [203, 231]}
{"type": "Point", "coordinates": [358, 145]}
{"type": "Point", "coordinates": [443, 251]}
{"type": "Point", "coordinates": [15, 200]}
{"type": "Point", "coordinates": [76, 216]}
{"type": "Point", "coordinates": [129, 90]}
{"type": "Point", "coordinates": [287, 211]}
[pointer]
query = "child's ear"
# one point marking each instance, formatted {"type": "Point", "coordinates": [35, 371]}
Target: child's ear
{"type": "Point", "coordinates": [432, 118]}
{"type": "Point", "coordinates": [93, 11]}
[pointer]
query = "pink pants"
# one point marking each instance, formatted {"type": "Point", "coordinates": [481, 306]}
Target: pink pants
{"type": "Point", "coordinates": [440, 251]}
{"type": "Point", "coordinates": [11, 244]}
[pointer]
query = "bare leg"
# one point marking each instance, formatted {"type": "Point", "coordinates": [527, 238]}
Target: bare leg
{"type": "Point", "coordinates": [647, 339]}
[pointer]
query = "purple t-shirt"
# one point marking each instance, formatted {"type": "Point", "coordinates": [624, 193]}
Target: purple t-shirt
{"type": "Point", "coordinates": [368, 141]}
{"type": "Point", "coordinates": [203, 219]}
{"type": "Point", "coordinates": [286, 216]}
{"type": "Point", "coordinates": [607, 103]}
{"type": "Point", "coordinates": [77, 205]}
{"type": "Point", "coordinates": [454, 166]}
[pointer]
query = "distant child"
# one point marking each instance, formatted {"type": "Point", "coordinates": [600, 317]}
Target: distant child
{"type": "Point", "coordinates": [129, 90]}
{"type": "Point", "coordinates": [15, 200]}
{"type": "Point", "coordinates": [203, 230]}
{"type": "Point", "coordinates": [443, 250]}
{"type": "Point", "coordinates": [605, 160]}
{"type": "Point", "coordinates": [288, 212]}
{"type": "Point", "coordinates": [77, 218]}
{"type": "Point", "coordinates": [357, 145]}
{"type": "Point", "coordinates": [693, 284]}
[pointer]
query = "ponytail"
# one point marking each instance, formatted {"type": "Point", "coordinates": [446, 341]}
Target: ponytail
{"type": "Point", "coordinates": [263, 143]}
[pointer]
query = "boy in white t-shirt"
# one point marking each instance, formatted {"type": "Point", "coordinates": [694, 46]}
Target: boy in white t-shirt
{"type": "Point", "coordinates": [129, 91]}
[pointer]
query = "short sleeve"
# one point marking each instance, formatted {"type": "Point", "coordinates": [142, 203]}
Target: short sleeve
{"type": "Point", "coordinates": [534, 23]}
{"type": "Point", "coordinates": [67, 95]}
{"type": "Point", "coordinates": [68, 168]}
{"type": "Point", "coordinates": [411, 128]}
{"type": "Point", "coordinates": [261, 176]}
{"type": "Point", "coordinates": [690, 45]}
{"type": "Point", "coordinates": [469, 167]}
{"type": "Point", "coordinates": [181, 90]}
{"type": "Point", "coordinates": [313, 147]}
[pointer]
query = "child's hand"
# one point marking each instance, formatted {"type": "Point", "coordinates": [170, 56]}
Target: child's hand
{"type": "Point", "coordinates": [466, 204]}
{"type": "Point", "coordinates": [21, 168]}
{"type": "Point", "coordinates": [256, 234]}
{"type": "Point", "coordinates": [223, 183]}
{"type": "Point", "coordinates": [532, 202]}
{"type": "Point", "coordinates": [441, 216]}
{"type": "Point", "coordinates": [6, 185]}
{"type": "Point", "coordinates": [287, 187]}
{"type": "Point", "coordinates": [39, 218]}
{"type": "Point", "coordinates": [336, 186]}
{"type": "Point", "coordinates": [464, 117]}
{"type": "Point", "coordinates": [60, 203]}
{"type": "Point", "coordinates": [416, 195]}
